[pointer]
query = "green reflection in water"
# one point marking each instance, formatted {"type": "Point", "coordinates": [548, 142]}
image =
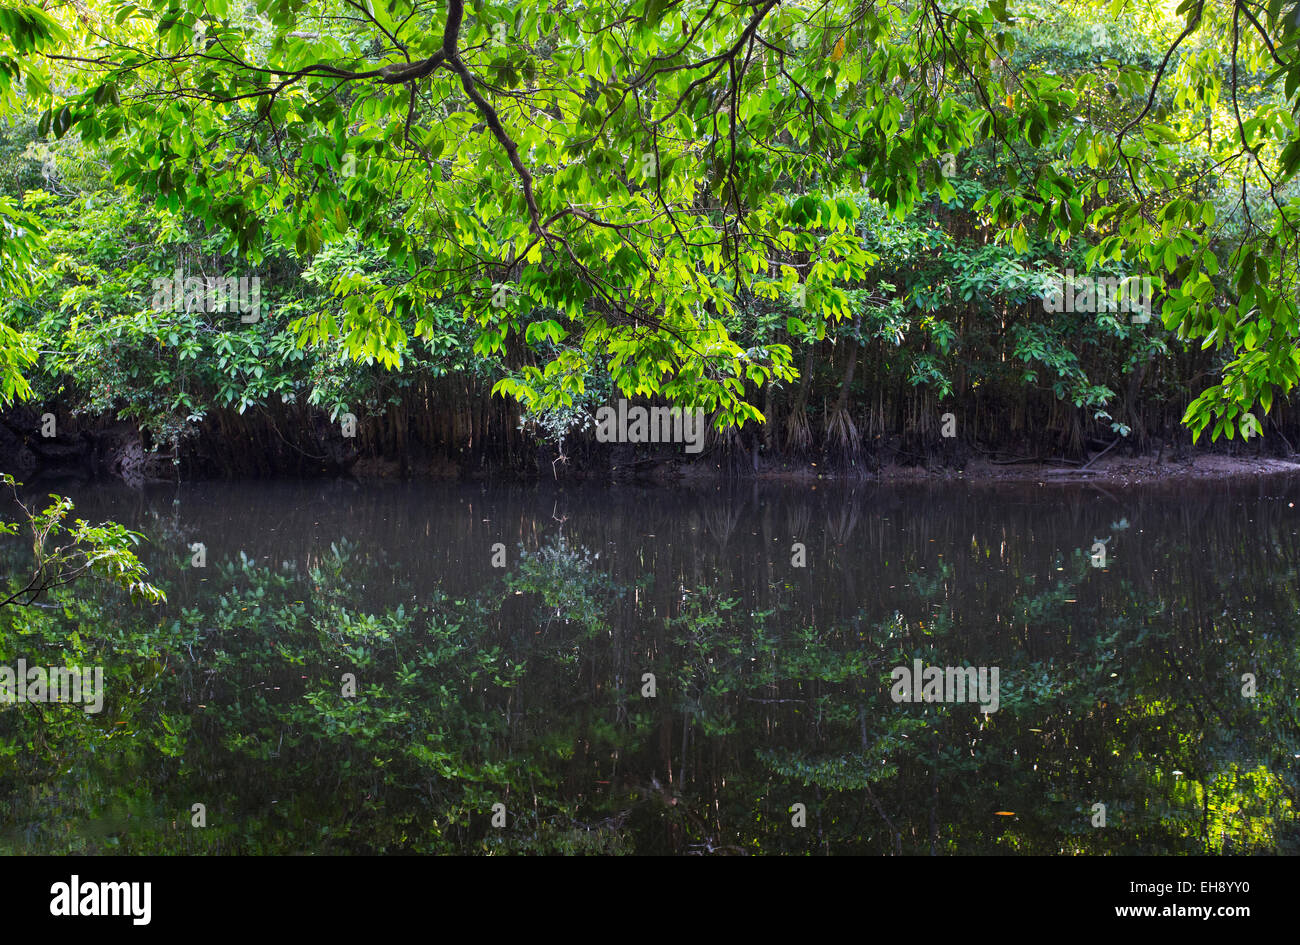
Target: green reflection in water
{"type": "Point", "coordinates": [523, 686]}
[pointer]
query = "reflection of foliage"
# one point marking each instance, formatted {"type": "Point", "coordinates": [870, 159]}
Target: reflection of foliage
{"type": "Point", "coordinates": [563, 576]}
{"type": "Point", "coordinates": [529, 694]}
{"type": "Point", "coordinates": [72, 781]}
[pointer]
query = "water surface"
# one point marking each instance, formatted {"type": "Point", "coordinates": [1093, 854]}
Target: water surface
{"type": "Point", "coordinates": [1160, 682]}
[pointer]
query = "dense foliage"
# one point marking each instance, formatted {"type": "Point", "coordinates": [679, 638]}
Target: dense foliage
{"type": "Point", "coordinates": [683, 200]}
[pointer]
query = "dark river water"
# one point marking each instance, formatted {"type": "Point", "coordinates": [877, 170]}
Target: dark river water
{"type": "Point", "coordinates": [504, 668]}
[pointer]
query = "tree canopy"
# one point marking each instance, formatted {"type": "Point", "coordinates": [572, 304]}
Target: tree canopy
{"type": "Point", "coordinates": [604, 184]}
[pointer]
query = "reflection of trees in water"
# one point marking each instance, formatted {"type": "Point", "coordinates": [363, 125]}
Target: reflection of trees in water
{"type": "Point", "coordinates": [721, 520]}
{"type": "Point", "coordinates": [773, 688]}
{"type": "Point", "coordinates": [841, 522]}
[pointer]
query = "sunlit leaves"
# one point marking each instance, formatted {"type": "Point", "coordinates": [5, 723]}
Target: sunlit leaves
{"type": "Point", "coordinates": [633, 176]}
{"type": "Point", "coordinates": [64, 552]}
